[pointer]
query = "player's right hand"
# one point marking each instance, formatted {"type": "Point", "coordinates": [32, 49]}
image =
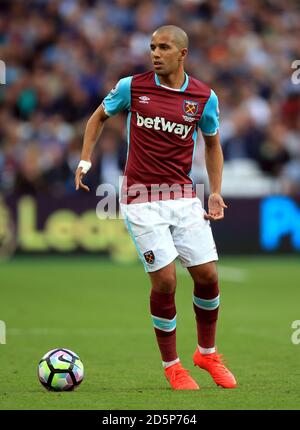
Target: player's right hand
{"type": "Point", "coordinates": [78, 180]}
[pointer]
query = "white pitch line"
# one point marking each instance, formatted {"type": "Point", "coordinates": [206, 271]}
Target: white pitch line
{"type": "Point", "coordinates": [262, 334]}
{"type": "Point", "coordinates": [226, 273]}
{"type": "Point", "coordinates": [232, 274]}
{"type": "Point", "coordinates": [35, 331]}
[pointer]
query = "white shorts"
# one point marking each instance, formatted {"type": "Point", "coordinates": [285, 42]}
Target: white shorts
{"type": "Point", "coordinates": [163, 230]}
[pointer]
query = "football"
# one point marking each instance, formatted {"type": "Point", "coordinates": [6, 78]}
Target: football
{"type": "Point", "coordinates": [60, 370]}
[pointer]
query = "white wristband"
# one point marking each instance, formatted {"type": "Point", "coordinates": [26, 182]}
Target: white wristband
{"type": "Point", "coordinates": [85, 165]}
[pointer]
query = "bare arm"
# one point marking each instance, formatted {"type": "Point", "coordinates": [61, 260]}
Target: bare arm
{"type": "Point", "coordinates": [92, 133]}
{"type": "Point", "coordinates": [214, 166]}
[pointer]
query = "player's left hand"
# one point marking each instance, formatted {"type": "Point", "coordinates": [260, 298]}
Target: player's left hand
{"type": "Point", "coordinates": [216, 207]}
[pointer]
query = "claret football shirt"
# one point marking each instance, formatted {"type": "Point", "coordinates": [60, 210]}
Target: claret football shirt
{"type": "Point", "coordinates": [162, 127]}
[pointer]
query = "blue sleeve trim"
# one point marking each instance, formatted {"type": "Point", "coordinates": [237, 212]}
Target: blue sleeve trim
{"type": "Point", "coordinates": [119, 98]}
{"type": "Point", "coordinates": [209, 121]}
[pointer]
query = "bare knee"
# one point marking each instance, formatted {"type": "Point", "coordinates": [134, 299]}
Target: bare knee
{"type": "Point", "coordinates": [205, 274]}
{"type": "Point", "coordinates": [163, 281]}
{"type": "Point", "coordinates": [209, 277]}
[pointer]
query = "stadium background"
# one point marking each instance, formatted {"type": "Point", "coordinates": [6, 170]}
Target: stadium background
{"type": "Point", "coordinates": [62, 57]}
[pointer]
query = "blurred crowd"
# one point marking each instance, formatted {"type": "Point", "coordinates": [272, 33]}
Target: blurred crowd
{"type": "Point", "coordinates": [63, 56]}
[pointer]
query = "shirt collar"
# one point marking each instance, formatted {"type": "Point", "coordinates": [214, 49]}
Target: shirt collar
{"type": "Point", "coordinates": [183, 88]}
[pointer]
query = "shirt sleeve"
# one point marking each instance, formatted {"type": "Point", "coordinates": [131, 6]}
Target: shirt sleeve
{"type": "Point", "coordinates": [119, 98]}
{"type": "Point", "coordinates": [209, 121]}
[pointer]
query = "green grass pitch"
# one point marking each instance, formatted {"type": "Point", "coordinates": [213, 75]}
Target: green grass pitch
{"type": "Point", "coordinates": [101, 311]}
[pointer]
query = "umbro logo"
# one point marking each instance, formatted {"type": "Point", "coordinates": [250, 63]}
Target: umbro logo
{"type": "Point", "coordinates": [144, 99]}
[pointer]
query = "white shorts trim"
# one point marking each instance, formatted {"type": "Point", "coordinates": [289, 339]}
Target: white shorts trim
{"type": "Point", "coordinates": [162, 264]}
{"type": "Point", "coordinates": [208, 259]}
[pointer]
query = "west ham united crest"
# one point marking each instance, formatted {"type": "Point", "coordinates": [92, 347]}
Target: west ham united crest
{"type": "Point", "coordinates": [149, 257]}
{"type": "Point", "coordinates": [190, 108]}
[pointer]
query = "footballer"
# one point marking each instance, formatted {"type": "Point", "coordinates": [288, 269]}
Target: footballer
{"type": "Point", "coordinates": [167, 109]}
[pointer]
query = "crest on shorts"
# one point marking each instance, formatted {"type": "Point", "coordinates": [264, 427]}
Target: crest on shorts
{"type": "Point", "coordinates": [190, 108]}
{"type": "Point", "coordinates": [149, 257]}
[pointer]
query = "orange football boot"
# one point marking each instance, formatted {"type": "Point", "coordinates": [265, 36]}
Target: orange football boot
{"type": "Point", "coordinates": [179, 378]}
{"type": "Point", "coordinates": [214, 365]}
